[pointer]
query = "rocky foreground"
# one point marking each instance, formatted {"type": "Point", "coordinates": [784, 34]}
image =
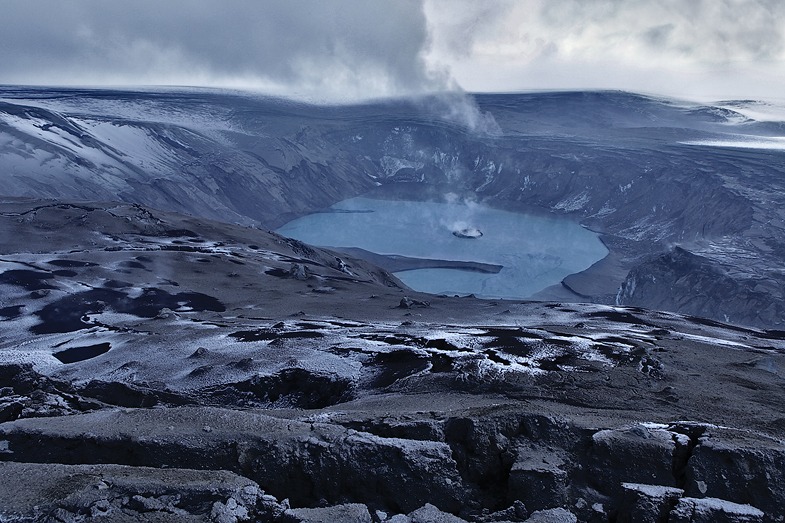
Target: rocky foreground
{"type": "Point", "coordinates": [155, 367]}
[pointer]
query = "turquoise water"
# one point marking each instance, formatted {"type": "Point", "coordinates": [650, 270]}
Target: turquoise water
{"type": "Point", "coordinates": [536, 251]}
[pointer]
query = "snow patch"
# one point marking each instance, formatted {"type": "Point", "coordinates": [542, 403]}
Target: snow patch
{"type": "Point", "coordinates": [575, 203]}
{"type": "Point", "coordinates": [653, 491]}
{"type": "Point", "coordinates": [391, 165]}
{"type": "Point", "coordinates": [773, 143]}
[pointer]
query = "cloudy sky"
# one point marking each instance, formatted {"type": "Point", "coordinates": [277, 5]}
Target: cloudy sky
{"type": "Point", "coordinates": [349, 49]}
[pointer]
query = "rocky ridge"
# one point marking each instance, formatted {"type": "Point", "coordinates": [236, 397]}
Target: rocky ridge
{"type": "Point", "coordinates": [640, 171]}
{"type": "Point", "coordinates": [156, 367]}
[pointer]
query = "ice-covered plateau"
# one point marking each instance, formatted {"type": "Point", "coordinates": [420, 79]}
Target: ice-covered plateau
{"type": "Point", "coordinates": [164, 358]}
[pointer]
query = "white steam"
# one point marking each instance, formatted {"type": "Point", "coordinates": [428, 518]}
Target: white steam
{"type": "Point", "coordinates": [460, 214]}
{"type": "Point", "coordinates": [459, 108]}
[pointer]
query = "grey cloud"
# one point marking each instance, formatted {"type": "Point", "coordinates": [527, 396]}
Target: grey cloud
{"type": "Point", "coordinates": [727, 31]}
{"type": "Point", "coordinates": [349, 49]}
{"type": "Point", "coordinates": [459, 23]}
{"type": "Point", "coordinates": [319, 46]}
{"type": "Point", "coordinates": [705, 31]}
{"type": "Point", "coordinates": [696, 48]}
{"type": "Point", "coordinates": [658, 36]}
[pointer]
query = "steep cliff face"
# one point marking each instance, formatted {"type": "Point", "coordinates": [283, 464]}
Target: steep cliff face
{"type": "Point", "coordinates": [640, 171]}
{"type": "Point", "coordinates": [257, 159]}
{"type": "Point", "coordinates": [692, 284]}
{"type": "Point", "coordinates": [170, 152]}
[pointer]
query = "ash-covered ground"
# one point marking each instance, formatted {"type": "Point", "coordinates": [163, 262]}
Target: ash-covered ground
{"type": "Point", "coordinates": [687, 197]}
{"type": "Point", "coordinates": [159, 367]}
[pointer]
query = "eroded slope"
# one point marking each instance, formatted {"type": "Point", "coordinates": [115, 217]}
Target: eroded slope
{"type": "Point", "coordinates": [134, 339]}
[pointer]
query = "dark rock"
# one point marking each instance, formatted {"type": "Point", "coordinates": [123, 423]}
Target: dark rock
{"type": "Point", "coordinates": [483, 452]}
{"type": "Point", "coordinates": [398, 364]}
{"type": "Point", "coordinates": [553, 515]}
{"type": "Point", "coordinates": [647, 503]}
{"type": "Point", "coordinates": [538, 479]}
{"type": "Point", "coordinates": [298, 271]}
{"type": "Point", "coordinates": [516, 512]}
{"type": "Point", "coordinates": [409, 303]}
{"type": "Point", "coordinates": [684, 282]}
{"type": "Point", "coordinates": [431, 514]}
{"type": "Point", "coordinates": [130, 395]}
{"type": "Point", "coordinates": [398, 475]}
{"type": "Point", "coordinates": [32, 491]}
{"type": "Point", "coordinates": [295, 387]}
{"type": "Point", "coordinates": [712, 510]}
{"type": "Point", "coordinates": [41, 404]}
{"type": "Point", "coordinates": [422, 430]}
{"type": "Point", "coordinates": [30, 394]}
{"type": "Point", "coordinates": [350, 513]}
{"type": "Point", "coordinates": [10, 410]}
{"type": "Point", "coordinates": [756, 463]}
{"type": "Point", "coordinates": [634, 454]}
{"type": "Point", "coordinates": [301, 461]}
{"type": "Point", "coordinates": [20, 377]}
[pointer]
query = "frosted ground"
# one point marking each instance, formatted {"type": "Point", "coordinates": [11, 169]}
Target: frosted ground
{"type": "Point", "coordinates": [137, 344]}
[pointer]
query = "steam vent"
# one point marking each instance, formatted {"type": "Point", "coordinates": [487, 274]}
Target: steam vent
{"type": "Point", "coordinates": [470, 232]}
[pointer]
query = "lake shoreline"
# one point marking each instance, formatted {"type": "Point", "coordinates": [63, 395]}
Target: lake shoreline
{"type": "Point", "coordinates": [514, 256]}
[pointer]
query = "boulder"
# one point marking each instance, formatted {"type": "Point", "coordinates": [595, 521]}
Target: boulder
{"type": "Point", "coordinates": [553, 515]}
{"type": "Point", "coordinates": [641, 453]}
{"type": "Point", "coordinates": [349, 513]}
{"type": "Point", "coordinates": [756, 463]}
{"type": "Point", "coordinates": [290, 459]}
{"type": "Point", "coordinates": [538, 479]}
{"type": "Point", "coordinates": [712, 510]}
{"type": "Point", "coordinates": [410, 303]}
{"type": "Point", "coordinates": [35, 491]}
{"type": "Point", "coordinates": [647, 503]}
{"type": "Point", "coordinates": [430, 514]}
{"type": "Point", "coordinates": [298, 271]}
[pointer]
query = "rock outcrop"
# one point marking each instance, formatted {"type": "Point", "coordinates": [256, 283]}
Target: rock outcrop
{"type": "Point", "coordinates": [689, 283]}
{"type": "Point", "coordinates": [286, 403]}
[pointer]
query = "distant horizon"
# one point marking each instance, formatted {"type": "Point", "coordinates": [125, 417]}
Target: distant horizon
{"type": "Point", "coordinates": [306, 99]}
{"type": "Point", "coordinates": [349, 50]}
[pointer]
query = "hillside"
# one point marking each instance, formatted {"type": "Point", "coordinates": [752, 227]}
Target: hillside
{"type": "Point", "coordinates": [648, 174]}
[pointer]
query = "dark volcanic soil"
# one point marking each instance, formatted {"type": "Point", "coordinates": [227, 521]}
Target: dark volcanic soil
{"type": "Point", "coordinates": [231, 374]}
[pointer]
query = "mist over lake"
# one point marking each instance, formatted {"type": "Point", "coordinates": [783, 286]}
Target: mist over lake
{"type": "Point", "coordinates": [535, 251]}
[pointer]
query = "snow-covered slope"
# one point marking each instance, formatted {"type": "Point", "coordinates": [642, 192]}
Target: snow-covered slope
{"type": "Point", "coordinates": [647, 173]}
{"type": "Point", "coordinates": [145, 356]}
{"type": "Point", "coordinates": [204, 155]}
